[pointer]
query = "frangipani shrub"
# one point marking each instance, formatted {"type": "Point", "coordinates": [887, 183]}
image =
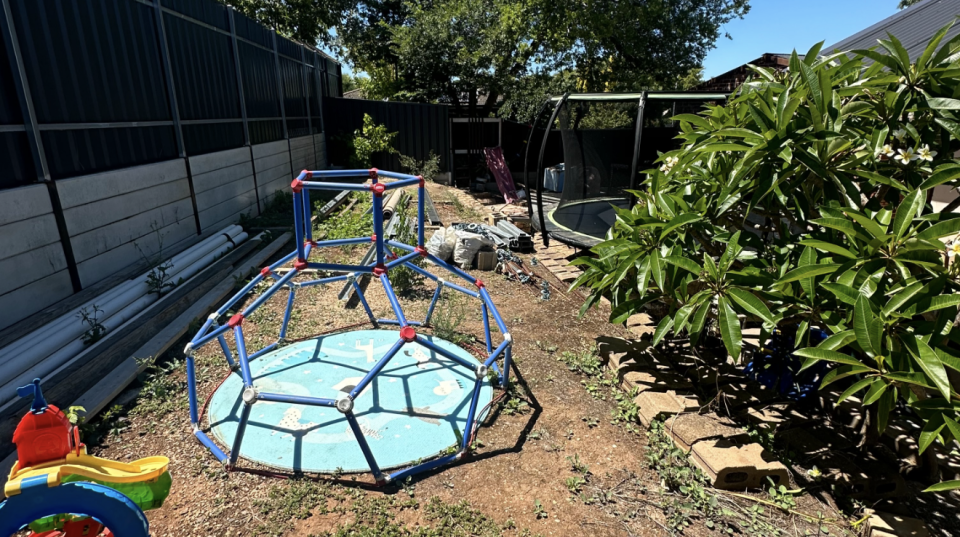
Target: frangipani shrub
{"type": "Point", "coordinates": [803, 202]}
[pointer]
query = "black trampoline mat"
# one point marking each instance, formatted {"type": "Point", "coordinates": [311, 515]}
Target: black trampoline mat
{"type": "Point", "coordinates": [590, 219]}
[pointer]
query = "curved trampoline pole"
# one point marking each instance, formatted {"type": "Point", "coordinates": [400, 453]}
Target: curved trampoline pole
{"type": "Point", "coordinates": [637, 136]}
{"type": "Point", "coordinates": [539, 180]}
{"type": "Point", "coordinates": [526, 157]}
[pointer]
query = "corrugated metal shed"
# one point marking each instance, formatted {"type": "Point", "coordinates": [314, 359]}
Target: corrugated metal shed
{"type": "Point", "coordinates": [913, 26]}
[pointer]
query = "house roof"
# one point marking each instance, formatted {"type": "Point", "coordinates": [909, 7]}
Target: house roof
{"type": "Point", "coordinates": [913, 26]}
{"type": "Point", "coordinates": [354, 94]}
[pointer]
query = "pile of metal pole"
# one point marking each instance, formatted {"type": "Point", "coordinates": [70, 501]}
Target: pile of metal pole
{"type": "Point", "coordinates": [518, 239]}
{"type": "Point", "coordinates": [42, 352]}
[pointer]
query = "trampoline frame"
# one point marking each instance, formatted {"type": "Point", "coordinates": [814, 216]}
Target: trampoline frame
{"type": "Point", "coordinates": [641, 98]}
{"type": "Point", "coordinates": [385, 260]}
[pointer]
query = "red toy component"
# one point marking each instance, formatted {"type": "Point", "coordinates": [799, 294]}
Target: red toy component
{"type": "Point", "coordinates": [378, 189]}
{"type": "Point", "coordinates": [379, 270]}
{"type": "Point", "coordinates": [43, 434]}
{"type": "Point", "coordinates": [408, 333]}
{"type": "Point", "coordinates": [235, 321]}
{"type": "Point", "coordinates": [86, 527]}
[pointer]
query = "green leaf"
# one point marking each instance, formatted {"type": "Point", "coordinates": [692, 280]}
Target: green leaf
{"type": "Point", "coordinates": [887, 403]}
{"type": "Point", "coordinates": [943, 103]}
{"type": "Point", "coordinates": [829, 247]}
{"type": "Point", "coordinates": [871, 226]}
{"type": "Point", "coordinates": [816, 353]}
{"type": "Point", "coordinates": [901, 298]}
{"type": "Point", "coordinates": [807, 272]}
{"type": "Point", "coordinates": [931, 430]}
{"type": "Point", "coordinates": [749, 302]}
{"type": "Point", "coordinates": [862, 317]}
{"type": "Point", "coordinates": [907, 211]}
{"type": "Point", "coordinates": [680, 220]}
{"type": "Point", "coordinates": [933, 303]}
{"type": "Point", "coordinates": [838, 340]}
{"type": "Point", "coordinates": [665, 325]}
{"type": "Point", "coordinates": [942, 175]}
{"type": "Point", "coordinates": [940, 229]}
{"type": "Point", "coordinates": [699, 318]}
{"type": "Point", "coordinates": [854, 388]}
{"type": "Point", "coordinates": [711, 266]}
{"type": "Point", "coordinates": [643, 276]}
{"type": "Point", "coordinates": [730, 329]}
{"type": "Point", "coordinates": [730, 252]}
{"type": "Point", "coordinates": [713, 148]}
{"type": "Point", "coordinates": [877, 388]}
{"type": "Point", "coordinates": [684, 263]}
{"type": "Point", "coordinates": [808, 257]}
{"type": "Point", "coordinates": [928, 360]}
{"type": "Point", "coordinates": [843, 225]}
{"type": "Point", "coordinates": [953, 426]}
{"type": "Point", "coordinates": [943, 486]}
{"type": "Point", "coordinates": [656, 268]}
{"type": "Point", "coordinates": [844, 293]}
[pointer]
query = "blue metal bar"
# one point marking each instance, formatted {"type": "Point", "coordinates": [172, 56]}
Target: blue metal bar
{"type": "Point", "coordinates": [463, 290]}
{"type": "Point", "coordinates": [420, 468]}
{"type": "Point", "coordinates": [378, 226]}
{"type": "Point", "coordinates": [496, 354]}
{"type": "Point", "coordinates": [313, 185]}
{"type": "Point", "coordinates": [471, 415]}
{"type": "Point", "coordinates": [286, 259]}
{"type": "Point", "coordinates": [395, 175]}
{"type": "Point", "coordinates": [486, 327]}
{"type": "Point", "coordinates": [269, 292]}
{"type": "Point", "coordinates": [364, 447]}
{"type": "Point", "coordinates": [401, 183]}
{"type": "Point", "coordinates": [324, 281]}
{"type": "Point", "coordinates": [421, 192]}
{"type": "Point", "coordinates": [242, 356]}
{"type": "Point", "coordinates": [242, 293]}
{"type": "Point", "coordinates": [238, 438]}
{"type": "Point", "coordinates": [341, 173]}
{"type": "Point", "coordinates": [440, 263]}
{"type": "Point", "coordinates": [226, 349]}
{"type": "Point", "coordinates": [206, 325]}
{"type": "Point", "coordinates": [192, 390]}
{"type": "Point", "coordinates": [307, 215]}
{"type": "Point", "coordinates": [286, 313]}
{"type": "Point", "coordinates": [445, 353]}
{"type": "Point", "coordinates": [376, 369]}
{"type": "Point", "coordinates": [307, 248]}
{"type": "Point", "coordinates": [423, 272]}
{"type": "Point", "coordinates": [296, 399]}
{"type": "Point", "coordinates": [507, 364]}
{"type": "Point", "coordinates": [394, 303]}
{"type": "Point", "coordinates": [363, 300]}
{"type": "Point", "coordinates": [201, 341]}
{"type": "Point", "coordinates": [262, 351]}
{"type": "Point", "coordinates": [215, 449]}
{"type": "Point", "coordinates": [433, 304]}
{"type": "Point", "coordinates": [397, 323]}
{"type": "Point", "coordinates": [493, 309]}
{"type": "Point", "coordinates": [342, 242]}
{"type": "Point", "coordinates": [298, 223]}
{"type": "Point", "coordinates": [402, 260]}
{"type": "Point", "coordinates": [334, 267]}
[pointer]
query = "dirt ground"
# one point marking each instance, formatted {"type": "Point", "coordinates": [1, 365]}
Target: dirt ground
{"type": "Point", "coordinates": [515, 483]}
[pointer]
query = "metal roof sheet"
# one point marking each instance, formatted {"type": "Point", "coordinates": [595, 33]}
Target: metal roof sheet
{"type": "Point", "coordinates": [913, 26]}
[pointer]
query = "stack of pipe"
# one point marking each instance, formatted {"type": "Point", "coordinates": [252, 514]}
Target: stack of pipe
{"type": "Point", "coordinates": [42, 352]}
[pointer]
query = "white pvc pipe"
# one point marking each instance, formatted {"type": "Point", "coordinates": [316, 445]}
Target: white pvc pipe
{"type": "Point", "coordinates": [44, 341]}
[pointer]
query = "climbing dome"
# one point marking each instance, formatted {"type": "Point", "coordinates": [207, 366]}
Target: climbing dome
{"type": "Point", "coordinates": [350, 401]}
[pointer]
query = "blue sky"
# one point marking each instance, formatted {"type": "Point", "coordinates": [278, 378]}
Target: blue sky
{"type": "Point", "coordinates": [784, 25]}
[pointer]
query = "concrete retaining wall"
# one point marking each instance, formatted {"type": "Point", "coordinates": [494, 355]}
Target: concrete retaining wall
{"type": "Point", "coordinates": [223, 183]}
{"type": "Point", "coordinates": [33, 268]}
{"type": "Point", "coordinates": [272, 162]}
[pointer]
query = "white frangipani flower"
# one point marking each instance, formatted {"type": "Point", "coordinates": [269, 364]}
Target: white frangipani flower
{"type": "Point", "coordinates": [669, 164]}
{"type": "Point", "coordinates": [953, 248]}
{"type": "Point", "coordinates": [926, 154]}
{"type": "Point", "coordinates": [906, 156]}
{"type": "Point", "coordinates": [887, 151]}
{"type": "Point", "coordinates": [900, 134]}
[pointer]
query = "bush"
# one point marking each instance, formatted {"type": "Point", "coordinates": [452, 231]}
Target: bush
{"type": "Point", "coordinates": [368, 141]}
{"type": "Point", "coordinates": [428, 169]}
{"type": "Point", "coordinates": [805, 202]}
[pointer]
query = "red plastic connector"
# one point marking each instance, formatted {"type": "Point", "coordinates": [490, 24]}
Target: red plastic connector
{"type": "Point", "coordinates": [373, 238]}
{"type": "Point", "coordinates": [379, 270]}
{"type": "Point", "coordinates": [307, 174]}
{"type": "Point", "coordinates": [373, 173]}
{"type": "Point", "coordinates": [296, 186]}
{"type": "Point", "coordinates": [391, 256]}
{"type": "Point", "coordinates": [422, 251]}
{"type": "Point", "coordinates": [311, 242]}
{"type": "Point", "coordinates": [265, 271]}
{"type": "Point", "coordinates": [299, 264]}
{"type": "Point", "coordinates": [408, 334]}
{"type": "Point", "coordinates": [479, 284]}
{"type": "Point", "coordinates": [378, 189]}
{"type": "Point", "coordinates": [235, 321]}
{"type": "Point", "coordinates": [422, 182]}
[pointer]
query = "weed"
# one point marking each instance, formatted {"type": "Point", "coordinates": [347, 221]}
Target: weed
{"type": "Point", "coordinates": [294, 500]}
{"type": "Point", "coordinates": [404, 279]}
{"type": "Point", "coordinates": [351, 222]}
{"type": "Point", "coordinates": [464, 212]}
{"type": "Point", "coordinates": [161, 392]}
{"type": "Point", "coordinates": [158, 279]}
{"type": "Point", "coordinates": [585, 362]}
{"type": "Point", "coordinates": [590, 421]}
{"type": "Point", "coordinates": [448, 315]}
{"type": "Point", "coordinates": [95, 329]}
{"type": "Point", "coordinates": [539, 510]}
{"type": "Point", "coordinates": [575, 484]}
{"type": "Point", "coordinates": [626, 412]}
{"type": "Point", "coordinates": [577, 465]}
{"type": "Point", "coordinates": [428, 168]}
{"type": "Point", "coordinates": [782, 496]}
